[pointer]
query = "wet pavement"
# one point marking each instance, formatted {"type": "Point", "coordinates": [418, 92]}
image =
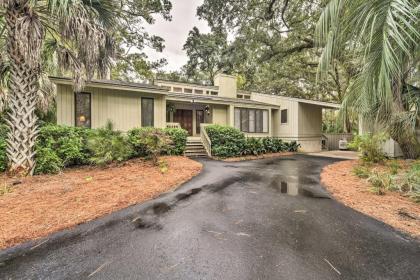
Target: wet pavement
{"type": "Point", "coordinates": [265, 219]}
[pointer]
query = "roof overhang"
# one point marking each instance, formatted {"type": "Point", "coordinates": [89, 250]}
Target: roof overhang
{"type": "Point", "coordinates": [194, 98]}
{"type": "Point", "coordinates": [326, 105]}
{"type": "Point", "coordinates": [111, 84]}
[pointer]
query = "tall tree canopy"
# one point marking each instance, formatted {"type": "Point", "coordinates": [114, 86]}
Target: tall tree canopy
{"type": "Point", "coordinates": [205, 54]}
{"type": "Point", "coordinates": [385, 34]}
{"type": "Point", "coordinates": [273, 46]}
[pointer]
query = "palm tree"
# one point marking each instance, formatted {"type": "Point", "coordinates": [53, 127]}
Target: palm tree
{"type": "Point", "coordinates": [73, 33]}
{"type": "Point", "coordinates": [384, 34]}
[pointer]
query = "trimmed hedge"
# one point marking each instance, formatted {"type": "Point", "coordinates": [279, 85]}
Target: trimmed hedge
{"type": "Point", "coordinates": [230, 142]}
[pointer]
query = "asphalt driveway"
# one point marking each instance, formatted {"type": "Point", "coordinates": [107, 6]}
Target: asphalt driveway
{"type": "Point", "coordinates": [265, 219]}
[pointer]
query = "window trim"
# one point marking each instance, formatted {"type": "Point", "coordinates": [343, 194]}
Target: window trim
{"type": "Point", "coordinates": [75, 108]}
{"type": "Point", "coordinates": [153, 111]}
{"type": "Point", "coordinates": [287, 117]}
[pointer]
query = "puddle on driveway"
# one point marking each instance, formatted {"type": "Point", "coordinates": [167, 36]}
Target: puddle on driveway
{"type": "Point", "coordinates": [294, 189]}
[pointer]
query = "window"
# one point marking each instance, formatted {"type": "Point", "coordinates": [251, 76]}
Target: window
{"type": "Point", "coordinates": [239, 96]}
{"type": "Point", "coordinates": [251, 120]}
{"type": "Point", "coordinates": [284, 116]}
{"type": "Point", "coordinates": [147, 112]}
{"type": "Point", "coordinates": [177, 89]}
{"type": "Point", "coordinates": [214, 93]}
{"type": "Point", "coordinates": [187, 90]}
{"type": "Point", "coordinates": [168, 88]}
{"type": "Point", "coordinates": [247, 97]}
{"type": "Point", "coordinates": [198, 91]}
{"type": "Point", "coordinates": [83, 109]}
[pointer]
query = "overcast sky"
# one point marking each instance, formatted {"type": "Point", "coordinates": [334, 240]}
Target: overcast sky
{"type": "Point", "coordinates": [175, 32]}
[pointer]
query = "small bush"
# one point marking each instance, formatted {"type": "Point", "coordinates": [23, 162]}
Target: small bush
{"type": "Point", "coordinates": [274, 145]}
{"type": "Point", "coordinates": [69, 143]}
{"type": "Point", "coordinates": [106, 146]}
{"type": "Point", "coordinates": [179, 140]}
{"type": "Point", "coordinates": [253, 146]}
{"type": "Point", "coordinates": [47, 161]}
{"type": "Point", "coordinates": [370, 146]}
{"type": "Point", "coordinates": [150, 142]}
{"type": "Point", "coordinates": [361, 171]}
{"type": "Point", "coordinates": [292, 146]}
{"type": "Point", "coordinates": [380, 182]}
{"type": "Point", "coordinates": [226, 141]}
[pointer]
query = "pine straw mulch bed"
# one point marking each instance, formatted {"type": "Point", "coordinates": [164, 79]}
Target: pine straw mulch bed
{"type": "Point", "coordinates": [41, 205]}
{"type": "Point", "coordinates": [250, 157]}
{"type": "Point", "coordinates": [391, 208]}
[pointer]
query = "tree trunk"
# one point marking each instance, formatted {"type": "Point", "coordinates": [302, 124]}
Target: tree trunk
{"type": "Point", "coordinates": [23, 89]}
{"type": "Point", "coordinates": [410, 146]}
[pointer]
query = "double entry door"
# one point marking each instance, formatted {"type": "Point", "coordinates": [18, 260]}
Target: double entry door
{"type": "Point", "coordinates": [185, 119]}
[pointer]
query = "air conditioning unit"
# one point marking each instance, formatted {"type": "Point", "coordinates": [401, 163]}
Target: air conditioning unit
{"type": "Point", "coordinates": [342, 144]}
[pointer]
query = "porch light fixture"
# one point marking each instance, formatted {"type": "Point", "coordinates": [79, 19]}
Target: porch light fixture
{"type": "Point", "coordinates": [207, 109]}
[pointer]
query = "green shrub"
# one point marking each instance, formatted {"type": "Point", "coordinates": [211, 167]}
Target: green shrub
{"type": "Point", "coordinates": [178, 137]}
{"type": "Point", "coordinates": [274, 145]}
{"type": "Point", "coordinates": [47, 161]}
{"type": "Point", "coordinates": [253, 146]}
{"type": "Point", "coordinates": [411, 182]}
{"type": "Point", "coordinates": [380, 182]}
{"type": "Point", "coordinates": [106, 146]}
{"type": "Point", "coordinates": [370, 146]}
{"type": "Point", "coordinates": [69, 143]}
{"type": "Point", "coordinates": [134, 137]}
{"type": "Point", "coordinates": [361, 171]}
{"type": "Point", "coordinates": [150, 142]}
{"type": "Point", "coordinates": [292, 146]}
{"type": "Point", "coordinates": [3, 145]}
{"type": "Point", "coordinates": [226, 141]}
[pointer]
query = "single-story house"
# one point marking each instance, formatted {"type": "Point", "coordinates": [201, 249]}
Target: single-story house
{"type": "Point", "coordinates": [191, 106]}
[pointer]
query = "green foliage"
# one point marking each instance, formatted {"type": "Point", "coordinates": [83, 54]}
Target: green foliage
{"type": "Point", "coordinates": [179, 140]}
{"type": "Point", "coordinates": [230, 142]}
{"type": "Point", "coordinates": [3, 145]}
{"type": "Point", "coordinates": [253, 146]}
{"type": "Point", "coordinates": [274, 145]}
{"type": "Point", "coordinates": [47, 161]}
{"type": "Point", "coordinates": [384, 34]}
{"type": "Point", "coordinates": [106, 146]}
{"type": "Point", "coordinates": [150, 142]}
{"type": "Point", "coordinates": [361, 171]}
{"type": "Point", "coordinates": [69, 143]}
{"type": "Point", "coordinates": [394, 167]}
{"type": "Point", "coordinates": [380, 182]}
{"type": "Point", "coordinates": [370, 146]}
{"type": "Point", "coordinates": [225, 141]}
{"type": "Point", "coordinates": [292, 146]}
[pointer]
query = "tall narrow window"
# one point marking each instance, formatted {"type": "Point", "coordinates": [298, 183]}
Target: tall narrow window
{"type": "Point", "coordinates": [284, 116]}
{"type": "Point", "coordinates": [83, 109]}
{"type": "Point", "coordinates": [147, 112]}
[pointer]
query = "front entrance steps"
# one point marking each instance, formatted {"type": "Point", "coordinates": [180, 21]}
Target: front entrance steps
{"type": "Point", "coordinates": [195, 148]}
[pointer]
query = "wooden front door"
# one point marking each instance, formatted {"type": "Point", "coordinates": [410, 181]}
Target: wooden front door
{"type": "Point", "coordinates": [185, 119]}
{"type": "Point", "coordinates": [199, 119]}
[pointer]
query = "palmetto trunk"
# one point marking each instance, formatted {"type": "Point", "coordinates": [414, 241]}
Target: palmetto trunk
{"type": "Point", "coordinates": [23, 89]}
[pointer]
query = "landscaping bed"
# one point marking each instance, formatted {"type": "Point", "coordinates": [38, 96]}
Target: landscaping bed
{"type": "Point", "coordinates": [392, 207]}
{"type": "Point", "coordinates": [262, 156]}
{"type": "Point", "coordinates": [33, 207]}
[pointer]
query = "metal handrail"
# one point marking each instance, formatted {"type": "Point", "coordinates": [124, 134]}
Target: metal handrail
{"type": "Point", "coordinates": [205, 139]}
